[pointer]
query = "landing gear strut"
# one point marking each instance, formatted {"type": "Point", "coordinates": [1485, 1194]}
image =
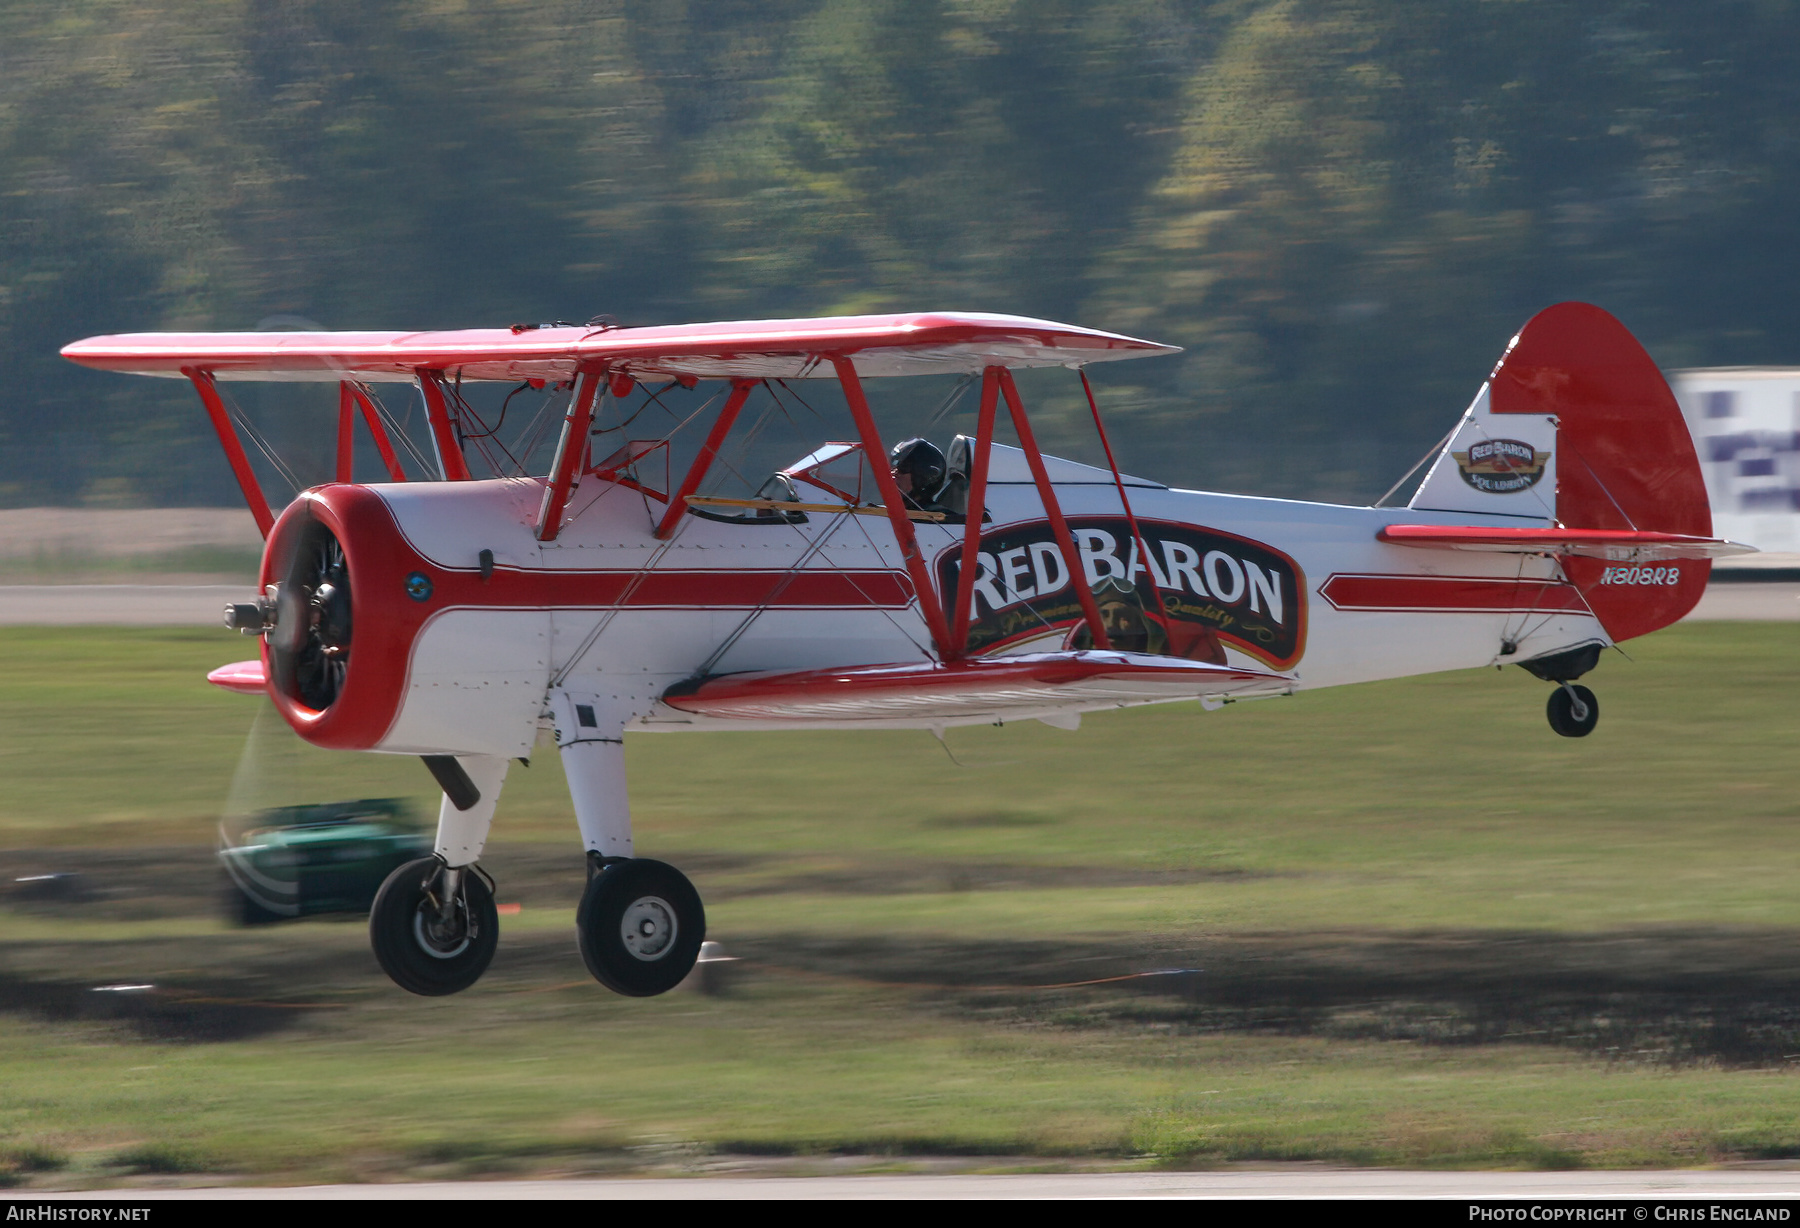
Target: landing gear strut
{"type": "Point", "coordinates": [434, 926]}
{"type": "Point", "coordinates": [1573, 710]}
{"type": "Point", "coordinates": [640, 924]}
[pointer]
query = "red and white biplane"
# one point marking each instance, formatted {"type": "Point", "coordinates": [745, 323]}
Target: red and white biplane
{"type": "Point", "coordinates": [454, 616]}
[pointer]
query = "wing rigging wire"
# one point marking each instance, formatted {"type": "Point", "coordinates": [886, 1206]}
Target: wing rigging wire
{"type": "Point", "coordinates": [397, 430]}
{"type": "Point", "coordinates": [673, 432]}
{"type": "Point", "coordinates": [466, 412]}
{"type": "Point", "coordinates": [397, 427]}
{"type": "Point", "coordinates": [950, 400]}
{"type": "Point", "coordinates": [1437, 449]}
{"type": "Point", "coordinates": [593, 637]}
{"type": "Point", "coordinates": [539, 426]}
{"type": "Point", "coordinates": [924, 651]}
{"type": "Point", "coordinates": [261, 444]}
{"type": "Point", "coordinates": [730, 641]}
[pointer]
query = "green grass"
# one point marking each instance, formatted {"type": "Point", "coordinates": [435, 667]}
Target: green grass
{"type": "Point", "coordinates": [1431, 931]}
{"type": "Point", "coordinates": [224, 564]}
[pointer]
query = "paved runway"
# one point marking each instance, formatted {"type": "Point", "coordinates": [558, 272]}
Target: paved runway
{"type": "Point", "coordinates": [202, 605]}
{"type": "Point", "coordinates": [1754, 602]}
{"type": "Point", "coordinates": [1300, 1181]}
{"type": "Point", "coordinates": [120, 605]}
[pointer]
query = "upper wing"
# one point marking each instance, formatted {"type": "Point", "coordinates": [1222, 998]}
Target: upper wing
{"type": "Point", "coordinates": [1614, 545]}
{"type": "Point", "coordinates": [919, 344]}
{"type": "Point", "coordinates": [982, 687]}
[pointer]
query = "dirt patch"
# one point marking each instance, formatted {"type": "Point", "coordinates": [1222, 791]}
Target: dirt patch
{"type": "Point", "coordinates": [1658, 996]}
{"type": "Point", "coordinates": [155, 1012]}
{"type": "Point", "coordinates": [1663, 995]}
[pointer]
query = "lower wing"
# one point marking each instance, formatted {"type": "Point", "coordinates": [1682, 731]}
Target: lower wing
{"type": "Point", "coordinates": [1000, 687]}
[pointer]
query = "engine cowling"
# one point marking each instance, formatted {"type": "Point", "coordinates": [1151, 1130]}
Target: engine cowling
{"type": "Point", "coordinates": [343, 624]}
{"type": "Point", "coordinates": [391, 627]}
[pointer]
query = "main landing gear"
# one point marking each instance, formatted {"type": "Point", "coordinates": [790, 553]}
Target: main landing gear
{"type": "Point", "coordinates": [639, 926]}
{"type": "Point", "coordinates": [434, 928]}
{"type": "Point", "coordinates": [434, 925]}
{"type": "Point", "coordinates": [1573, 710]}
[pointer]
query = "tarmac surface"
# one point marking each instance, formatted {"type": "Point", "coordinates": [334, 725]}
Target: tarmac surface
{"type": "Point", "coordinates": [1299, 1181]}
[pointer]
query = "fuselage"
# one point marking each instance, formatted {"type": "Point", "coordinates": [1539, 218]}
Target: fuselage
{"type": "Point", "coordinates": [457, 653]}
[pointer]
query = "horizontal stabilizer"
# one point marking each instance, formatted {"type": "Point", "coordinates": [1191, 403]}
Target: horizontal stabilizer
{"type": "Point", "coordinates": [932, 343]}
{"type": "Point", "coordinates": [1613, 545]}
{"type": "Point", "coordinates": [996, 687]}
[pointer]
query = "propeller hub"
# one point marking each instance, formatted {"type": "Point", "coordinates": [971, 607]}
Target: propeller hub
{"type": "Point", "coordinates": [309, 644]}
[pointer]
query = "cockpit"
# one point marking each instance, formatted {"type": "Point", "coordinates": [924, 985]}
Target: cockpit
{"type": "Point", "coordinates": [836, 478]}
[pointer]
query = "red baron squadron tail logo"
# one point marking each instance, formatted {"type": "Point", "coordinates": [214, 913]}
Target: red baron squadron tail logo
{"type": "Point", "coordinates": [1202, 589]}
{"type": "Point", "coordinates": [1501, 466]}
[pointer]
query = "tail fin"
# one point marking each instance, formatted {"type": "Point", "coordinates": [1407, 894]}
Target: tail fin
{"type": "Point", "coordinates": [1577, 427]}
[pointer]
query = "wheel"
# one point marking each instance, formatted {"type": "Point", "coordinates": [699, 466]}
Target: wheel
{"type": "Point", "coordinates": [640, 926]}
{"type": "Point", "coordinates": [1563, 715]}
{"type": "Point", "coordinates": [421, 954]}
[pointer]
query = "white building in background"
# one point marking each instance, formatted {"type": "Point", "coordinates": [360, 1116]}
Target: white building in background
{"type": "Point", "coordinates": [1746, 427]}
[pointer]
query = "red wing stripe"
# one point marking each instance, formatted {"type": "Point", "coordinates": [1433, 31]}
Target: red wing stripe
{"type": "Point", "coordinates": [776, 589]}
{"type": "Point", "coordinates": [1450, 594]}
{"type": "Point", "coordinates": [685, 590]}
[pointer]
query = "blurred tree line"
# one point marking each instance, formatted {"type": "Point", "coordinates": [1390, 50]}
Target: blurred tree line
{"type": "Point", "coordinates": [1342, 208]}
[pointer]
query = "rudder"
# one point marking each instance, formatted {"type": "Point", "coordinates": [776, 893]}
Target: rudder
{"type": "Point", "coordinates": [1628, 461]}
{"type": "Point", "coordinates": [1576, 401]}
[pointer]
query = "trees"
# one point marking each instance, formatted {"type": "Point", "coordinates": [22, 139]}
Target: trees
{"type": "Point", "coordinates": [1341, 207]}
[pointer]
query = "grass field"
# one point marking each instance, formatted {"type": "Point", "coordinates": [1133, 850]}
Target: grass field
{"type": "Point", "coordinates": [1396, 924]}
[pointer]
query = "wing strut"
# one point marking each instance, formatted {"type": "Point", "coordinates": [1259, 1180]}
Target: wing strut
{"type": "Point", "coordinates": [715, 439]}
{"type": "Point", "coordinates": [443, 431]}
{"type": "Point", "coordinates": [969, 571]}
{"type": "Point", "coordinates": [891, 498]}
{"type": "Point", "coordinates": [346, 441]}
{"type": "Point", "coordinates": [1053, 510]}
{"type": "Point", "coordinates": [571, 450]}
{"type": "Point", "coordinates": [377, 431]}
{"type": "Point", "coordinates": [234, 448]}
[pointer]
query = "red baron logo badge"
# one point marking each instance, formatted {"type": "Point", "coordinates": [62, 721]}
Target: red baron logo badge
{"type": "Point", "coordinates": [1501, 466]}
{"type": "Point", "coordinates": [1214, 589]}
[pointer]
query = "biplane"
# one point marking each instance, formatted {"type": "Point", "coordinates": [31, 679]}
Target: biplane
{"type": "Point", "coordinates": [458, 613]}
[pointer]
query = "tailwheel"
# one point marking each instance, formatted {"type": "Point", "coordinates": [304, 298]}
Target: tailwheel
{"type": "Point", "coordinates": [640, 926]}
{"type": "Point", "coordinates": [1573, 710]}
{"type": "Point", "coordinates": [434, 928]}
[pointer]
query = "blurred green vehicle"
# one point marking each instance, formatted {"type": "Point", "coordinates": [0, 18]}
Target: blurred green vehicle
{"type": "Point", "coordinates": [304, 861]}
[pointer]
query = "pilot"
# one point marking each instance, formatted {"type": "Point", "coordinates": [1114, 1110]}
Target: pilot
{"type": "Point", "coordinates": [919, 471]}
{"type": "Point", "coordinates": [1128, 627]}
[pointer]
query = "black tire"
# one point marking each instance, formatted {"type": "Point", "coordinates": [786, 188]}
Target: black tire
{"type": "Point", "coordinates": [402, 925]}
{"type": "Point", "coordinates": [622, 927]}
{"type": "Point", "coordinates": [1561, 710]}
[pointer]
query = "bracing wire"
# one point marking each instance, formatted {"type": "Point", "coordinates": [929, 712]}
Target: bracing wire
{"type": "Point", "coordinates": [950, 401]}
{"type": "Point", "coordinates": [261, 444]}
{"type": "Point", "coordinates": [396, 430]}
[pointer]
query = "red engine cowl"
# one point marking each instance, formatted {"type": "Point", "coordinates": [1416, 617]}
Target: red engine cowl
{"type": "Point", "coordinates": [383, 612]}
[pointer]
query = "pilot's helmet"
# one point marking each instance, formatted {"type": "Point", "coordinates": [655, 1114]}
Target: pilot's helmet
{"type": "Point", "coordinates": [921, 460]}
